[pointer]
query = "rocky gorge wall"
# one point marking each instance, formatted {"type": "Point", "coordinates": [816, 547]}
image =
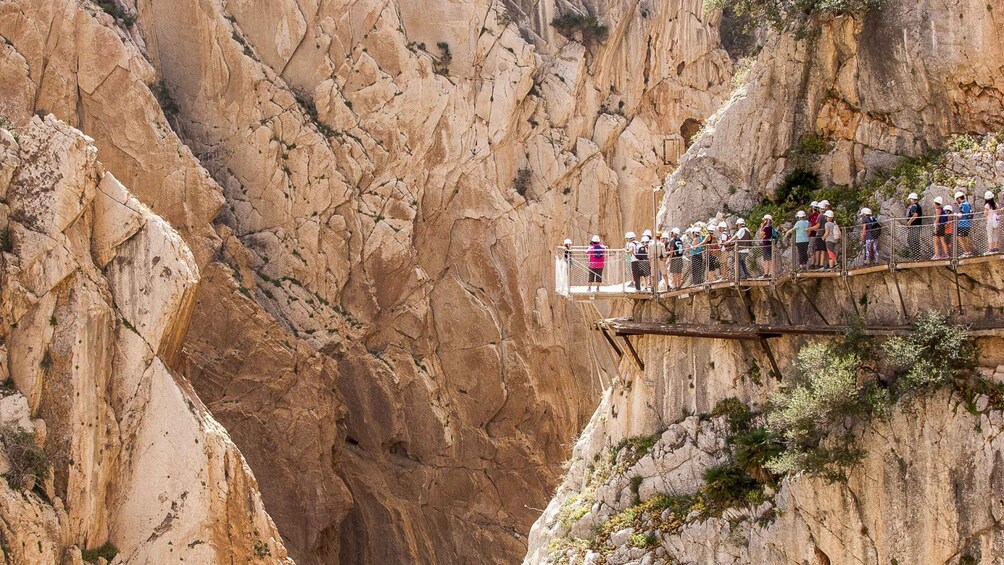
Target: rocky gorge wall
{"type": "Point", "coordinates": [97, 294]}
{"type": "Point", "coordinates": [370, 191]}
{"type": "Point", "coordinates": [899, 81]}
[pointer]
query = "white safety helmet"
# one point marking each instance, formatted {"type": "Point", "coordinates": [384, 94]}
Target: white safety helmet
{"type": "Point", "coordinates": [800, 214]}
{"type": "Point", "coordinates": [829, 214]}
{"type": "Point", "coordinates": [948, 208]}
{"type": "Point", "coordinates": [866, 211]}
{"type": "Point", "coordinates": [645, 239]}
{"type": "Point", "coordinates": [675, 231]}
{"type": "Point", "coordinates": [959, 194]}
{"type": "Point", "coordinates": [768, 217]}
{"type": "Point", "coordinates": [723, 225]}
{"type": "Point", "coordinates": [824, 203]}
{"type": "Point", "coordinates": [596, 239]}
{"type": "Point", "coordinates": [814, 204]}
{"type": "Point", "coordinates": [988, 195]}
{"type": "Point", "coordinates": [938, 200]}
{"type": "Point", "coordinates": [646, 233]}
{"type": "Point", "coordinates": [913, 196]}
{"type": "Point", "coordinates": [740, 222]}
{"type": "Point", "coordinates": [568, 242]}
{"type": "Point", "coordinates": [629, 235]}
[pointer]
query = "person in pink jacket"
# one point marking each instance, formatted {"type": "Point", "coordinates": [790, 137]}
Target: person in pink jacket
{"type": "Point", "coordinates": [597, 255]}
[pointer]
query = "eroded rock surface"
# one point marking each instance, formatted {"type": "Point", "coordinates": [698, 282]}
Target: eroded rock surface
{"type": "Point", "coordinates": [897, 81]}
{"type": "Point", "coordinates": [374, 324]}
{"type": "Point", "coordinates": [97, 294]}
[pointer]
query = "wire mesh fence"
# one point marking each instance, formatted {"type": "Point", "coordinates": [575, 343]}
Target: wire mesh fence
{"type": "Point", "coordinates": [703, 259]}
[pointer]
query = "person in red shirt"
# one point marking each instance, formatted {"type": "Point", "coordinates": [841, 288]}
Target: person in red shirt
{"type": "Point", "coordinates": [597, 255]}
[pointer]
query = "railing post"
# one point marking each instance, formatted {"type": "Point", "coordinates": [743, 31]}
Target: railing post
{"type": "Point", "coordinates": [843, 251]}
{"type": "Point", "coordinates": [955, 240]}
{"type": "Point", "coordinates": [735, 261]}
{"type": "Point", "coordinates": [893, 224]}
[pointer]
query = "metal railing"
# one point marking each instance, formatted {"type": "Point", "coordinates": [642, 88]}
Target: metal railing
{"type": "Point", "coordinates": [888, 244]}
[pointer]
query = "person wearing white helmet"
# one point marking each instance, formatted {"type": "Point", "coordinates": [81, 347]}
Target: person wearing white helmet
{"type": "Point", "coordinates": [831, 238]}
{"type": "Point", "coordinates": [871, 229]}
{"type": "Point", "coordinates": [647, 233]}
{"type": "Point", "coordinates": [698, 253]}
{"type": "Point", "coordinates": [940, 230]}
{"type": "Point", "coordinates": [991, 217]}
{"type": "Point", "coordinates": [714, 252]}
{"type": "Point", "coordinates": [724, 255]}
{"type": "Point", "coordinates": [817, 247]}
{"type": "Point", "coordinates": [641, 268]}
{"type": "Point", "coordinates": [741, 242]}
{"type": "Point", "coordinates": [597, 258]}
{"type": "Point", "coordinates": [768, 236]}
{"type": "Point", "coordinates": [965, 224]}
{"type": "Point", "coordinates": [914, 225]}
{"type": "Point", "coordinates": [801, 230]}
{"type": "Point", "coordinates": [676, 248]}
{"type": "Point", "coordinates": [629, 249]}
{"type": "Point", "coordinates": [568, 250]}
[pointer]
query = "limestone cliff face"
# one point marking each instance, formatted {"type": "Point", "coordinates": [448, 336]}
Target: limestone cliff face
{"type": "Point", "coordinates": [877, 87]}
{"type": "Point", "coordinates": [97, 294]}
{"type": "Point", "coordinates": [896, 82]}
{"type": "Point", "coordinates": [370, 190]}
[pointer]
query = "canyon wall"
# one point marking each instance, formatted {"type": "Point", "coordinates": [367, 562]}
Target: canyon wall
{"type": "Point", "coordinates": [97, 294]}
{"type": "Point", "coordinates": [896, 82]}
{"type": "Point", "coordinates": [371, 192]}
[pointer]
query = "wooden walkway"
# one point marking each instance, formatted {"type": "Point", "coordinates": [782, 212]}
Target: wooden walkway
{"type": "Point", "coordinates": [688, 291]}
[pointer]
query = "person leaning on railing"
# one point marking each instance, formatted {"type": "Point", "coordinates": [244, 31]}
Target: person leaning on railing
{"type": "Point", "coordinates": [596, 260]}
{"type": "Point", "coordinates": [801, 231]}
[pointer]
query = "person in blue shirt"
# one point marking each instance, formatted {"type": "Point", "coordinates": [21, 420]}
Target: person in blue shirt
{"type": "Point", "coordinates": [965, 215]}
{"type": "Point", "coordinates": [801, 231]}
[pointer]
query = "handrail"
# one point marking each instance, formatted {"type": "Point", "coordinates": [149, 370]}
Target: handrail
{"type": "Point", "coordinates": [892, 243]}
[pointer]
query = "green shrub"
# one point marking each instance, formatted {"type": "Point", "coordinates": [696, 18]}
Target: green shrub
{"type": "Point", "coordinates": [935, 354]}
{"type": "Point", "coordinates": [814, 412]}
{"type": "Point", "coordinates": [727, 485]}
{"type": "Point", "coordinates": [753, 449]}
{"type": "Point", "coordinates": [27, 459]}
{"type": "Point", "coordinates": [589, 28]}
{"type": "Point", "coordinates": [108, 551]}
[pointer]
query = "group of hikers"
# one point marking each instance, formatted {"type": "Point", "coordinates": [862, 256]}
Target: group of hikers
{"type": "Point", "coordinates": [717, 252]}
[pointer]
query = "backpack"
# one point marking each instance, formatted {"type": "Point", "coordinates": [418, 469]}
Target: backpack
{"type": "Point", "coordinates": [873, 227]}
{"type": "Point", "coordinates": [836, 232]}
{"type": "Point", "coordinates": [641, 251]}
{"type": "Point", "coordinates": [677, 247]}
{"type": "Point", "coordinates": [597, 252]}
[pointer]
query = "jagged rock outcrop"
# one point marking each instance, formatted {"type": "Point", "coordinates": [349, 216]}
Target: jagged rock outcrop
{"type": "Point", "coordinates": [388, 205]}
{"type": "Point", "coordinates": [97, 295]}
{"type": "Point", "coordinates": [897, 81]}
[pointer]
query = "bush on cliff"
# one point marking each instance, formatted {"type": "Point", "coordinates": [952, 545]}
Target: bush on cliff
{"type": "Point", "coordinates": [835, 385]}
{"type": "Point", "coordinates": [784, 15]}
